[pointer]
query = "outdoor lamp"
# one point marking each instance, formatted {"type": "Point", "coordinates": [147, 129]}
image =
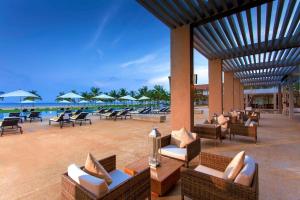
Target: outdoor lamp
{"type": "Point", "coordinates": [154, 145]}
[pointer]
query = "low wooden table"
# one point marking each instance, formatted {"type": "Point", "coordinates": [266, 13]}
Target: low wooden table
{"type": "Point", "coordinates": [163, 178]}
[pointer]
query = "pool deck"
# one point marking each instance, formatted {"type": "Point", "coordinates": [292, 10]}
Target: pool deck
{"type": "Point", "coordinates": [31, 164]}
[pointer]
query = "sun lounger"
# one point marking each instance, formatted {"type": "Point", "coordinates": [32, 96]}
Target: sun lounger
{"type": "Point", "coordinates": [121, 114]}
{"type": "Point", "coordinates": [109, 115]}
{"type": "Point", "coordinates": [10, 123]}
{"type": "Point", "coordinates": [77, 112]}
{"type": "Point", "coordinates": [62, 119]}
{"type": "Point", "coordinates": [138, 111]}
{"type": "Point", "coordinates": [16, 114]}
{"type": "Point", "coordinates": [98, 112]}
{"type": "Point", "coordinates": [146, 111]}
{"type": "Point", "coordinates": [82, 117]}
{"type": "Point", "coordinates": [33, 116]}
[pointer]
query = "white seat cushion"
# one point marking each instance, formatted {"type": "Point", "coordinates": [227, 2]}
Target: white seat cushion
{"type": "Point", "coordinates": [93, 184]}
{"type": "Point", "coordinates": [209, 171]}
{"type": "Point", "coordinates": [174, 152]}
{"type": "Point", "coordinates": [234, 166]}
{"type": "Point", "coordinates": [247, 123]}
{"type": "Point", "coordinates": [245, 176]}
{"type": "Point", "coordinates": [118, 177]}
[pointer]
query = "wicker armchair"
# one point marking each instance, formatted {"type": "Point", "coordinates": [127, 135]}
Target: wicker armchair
{"type": "Point", "coordinates": [192, 149]}
{"type": "Point", "coordinates": [137, 187]}
{"type": "Point", "coordinates": [200, 186]}
{"type": "Point", "coordinates": [209, 131]}
{"type": "Point", "coordinates": [242, 130]}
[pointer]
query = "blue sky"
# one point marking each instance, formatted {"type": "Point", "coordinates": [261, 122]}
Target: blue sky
{"type": "Point", "coordinates": [55, 45]}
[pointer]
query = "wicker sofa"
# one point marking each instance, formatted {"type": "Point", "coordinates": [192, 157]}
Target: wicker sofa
{"type": "Point", "coordinates": [136, 187]}
{"type": "Point", "coordinates": [209, 131]}
{"type": "Point", "coordinates": [199, 186]}
{"type": "Point", "coordinates": [191, 151]}
{"type": "Point", "coordinates": [243, 130]}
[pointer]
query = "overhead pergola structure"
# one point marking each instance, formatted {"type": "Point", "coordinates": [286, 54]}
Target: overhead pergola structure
{"type": "Point", "coordinates": [257, 40]}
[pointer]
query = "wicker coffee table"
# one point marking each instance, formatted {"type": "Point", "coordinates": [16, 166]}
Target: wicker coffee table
{"type": "Point", "coordinates": [163, 178]}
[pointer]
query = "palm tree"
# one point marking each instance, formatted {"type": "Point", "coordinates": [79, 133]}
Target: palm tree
{"type": "Point", "coordinates": [95, 91]}
{"type": "Point", "coordinates": [87, 96]}
{"type": "Point", "coordinates": [58, 96]}
{"type": "Point", "coordinates": [1, 99]}
{"type": "Point", "coordinates": [113, 93]}
{"type": "Point", "coordinates": [133, 93]}
{"type": "Point", "coordinates": [122, 92]}
{"type": "Point", "coordinates": [33, 98]}
{"type": "Point", "coordinates": [143, 91]}
{"type": "Point", "coordinates": [74, 91]}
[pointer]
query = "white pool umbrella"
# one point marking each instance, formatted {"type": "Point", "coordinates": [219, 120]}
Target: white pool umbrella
{"type": "Point", "coordinates": [128, 97]}
{"type": "Point", "coordinates": [64, 101]}
{"type": "Point", "coordinates": [27, 101]}
{"type": "Point", "coordinates": [143, 98]}
{"type": "Point", "coordinates": [83, 101]}
{"type": "Point", "coordinates": [70, 95]}
{"type": "Point", "coordinates": [18, 93]}
{"type": "Point", "coordinates": [103, 96]}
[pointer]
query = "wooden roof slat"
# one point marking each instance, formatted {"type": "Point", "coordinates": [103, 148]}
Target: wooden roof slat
{"type": "Point", "coordinates": [277, 19]}
{"type": "Point", "coordinates": [187, 14]}
{"type": "Point", "coordinates": [287, 16]}
{"type": "Point", "coordinates": [294, 22]}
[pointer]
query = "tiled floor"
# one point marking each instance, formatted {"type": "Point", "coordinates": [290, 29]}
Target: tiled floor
{"type": "Point", "coordinates": [31, 164]}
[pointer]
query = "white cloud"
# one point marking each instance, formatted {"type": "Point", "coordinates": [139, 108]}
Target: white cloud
{"type": "Point", "coordinates": [159, 80]}
{"type": "Point", "coordinates": [103, 23]}
{"type": "Point", "coordinates": [202, 72]}
{"type": "Point", "coordinates": [145, 59]}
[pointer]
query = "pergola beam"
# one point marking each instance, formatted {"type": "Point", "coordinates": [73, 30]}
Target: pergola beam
{"type": "Point", "coordinates": [257, 66]}
{"type": "Point", "coordinates": [236, 9]}
{"type": "Point", "coordinates": [257, 48]}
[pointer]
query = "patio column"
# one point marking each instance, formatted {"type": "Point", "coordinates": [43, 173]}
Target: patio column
{"type": "Point", "coordinates": [236, 94]}
{"type": "Point", "coordinates": [228, 91]}
{"type": "Point", "coordinates": [291, 102]}
{"type": "Point", "coordinates": [279, 99]}
{"type": "Point", "coordinates": [215, 102]}
{"type": "Point", "coordinates": [274, 101]}
{"type": "Point", "coordinates": [246, 100]}
{"type": "Point", "coordinates": [241, 96]}
{"type": "Point", "coordinates": [182, 88]}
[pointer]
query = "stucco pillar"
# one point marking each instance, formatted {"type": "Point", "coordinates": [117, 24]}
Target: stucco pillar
{"type": "Point", "coordinates": [182, 108]}
{"type": "Point", "coordinates": [215, 98]}
{"type": "Point", "coordinates": [236, 94]}
{"type": "Point", "coordinates": [228, 91]}
{"type": "Point", "coordinates": [274, 101]}
{"type": "Point", "coordinates": [246, 100]}
{"type": "Point", "coordinates": [279, 99]}
{"type": "Point", "coordinates": [291, 102]}
{"type": "Point", "coordinates": [241, 96]}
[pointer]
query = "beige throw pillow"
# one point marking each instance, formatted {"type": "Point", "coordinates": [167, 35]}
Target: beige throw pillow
{"type": "Point", "coordinates": [222, 120]}
{"type": "Point", "coordinates": [181, 138]}
{"type": "Point", "coordinates": [234, 166]}
{"type": "Point", "coordinates": [93, 167]}
{"type": "Point", "coordinates": [245, 177]}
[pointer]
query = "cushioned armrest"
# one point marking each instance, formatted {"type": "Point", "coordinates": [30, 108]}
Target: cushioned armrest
{"type": "Point", "coordinates": [193, 181]}
{"type": "Point", "coordinates": [165, 140]}
{"type": "Point", "coordinates": [193, 149]}
{"type": "Point", "coordinates": [109, 163]}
